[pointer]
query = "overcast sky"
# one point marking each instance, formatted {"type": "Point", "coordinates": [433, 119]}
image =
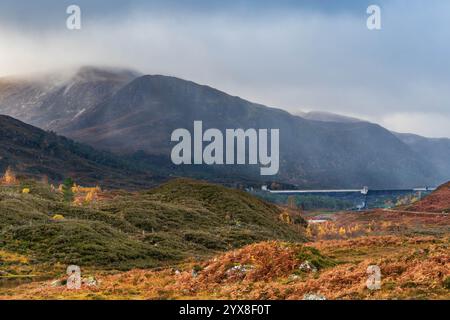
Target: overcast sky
{"type": "Point", "coordinates": [296, 55]}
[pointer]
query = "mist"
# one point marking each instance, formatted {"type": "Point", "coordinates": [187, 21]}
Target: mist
{"type": "Point", "coordinates": [290, 58]}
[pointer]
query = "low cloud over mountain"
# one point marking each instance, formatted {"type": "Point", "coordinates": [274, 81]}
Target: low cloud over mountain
{"type": "Point", "coordinates": [124, 112]}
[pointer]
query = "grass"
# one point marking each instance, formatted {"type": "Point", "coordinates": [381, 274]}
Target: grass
{"type": "Point", "coordinates": [412, 268]}
{"type": "Point", "coordinates": [210, 242]}
{"type": "Point", "coordinates": [180, 219]}
{"type": "Point", "coordinates": [314, 257]}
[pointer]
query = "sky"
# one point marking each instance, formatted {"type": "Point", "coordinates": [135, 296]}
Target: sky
{"type": "Point", "coordinates": [296, 55]}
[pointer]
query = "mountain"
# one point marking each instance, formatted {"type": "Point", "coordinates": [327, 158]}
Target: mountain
{"type": "Point", "coordinates": [53, 100]}
{"type": "Point", "coordinates": [327, 117]}
{"type": "Point", "coordinates": [142, 115]}
{"type": "Point", "coordinates": [33, 152]}
{"type": "Point", "coordinates": [139, 117]}
{"type": "Point", "coordinates": [436, 150]}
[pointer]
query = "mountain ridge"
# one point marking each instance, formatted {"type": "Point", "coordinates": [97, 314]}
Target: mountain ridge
{"type": "Point", "coordinates": [36, 153]}
{"type": "Point", "coordinates": [139, 116]}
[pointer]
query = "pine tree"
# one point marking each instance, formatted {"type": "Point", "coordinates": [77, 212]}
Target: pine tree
{"type": "Point", "coordinates": [67, 189]}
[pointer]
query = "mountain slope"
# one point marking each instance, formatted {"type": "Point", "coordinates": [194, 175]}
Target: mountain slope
{"type": "Point", "coordinates": [34, 152]}
{"type": "Point", "coordinates": [126, 113]}
{"type": "Point", "coordinates": [436, 150]}
{"type": "Point", "coordinates": [142, 115]}
{"type": "Point", "coordinates": [51, 101]}
{"type": "Point", "coordinates": [438, 201]}
{"type": "Point", "coordinates": [327, 117]}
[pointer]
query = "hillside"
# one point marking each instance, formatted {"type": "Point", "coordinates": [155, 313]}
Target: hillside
{"type": "Point", "coordinates": [438, 201]}
{"type": "Point", "coordinates": [36, 153]}
{"type": "Point", "coordinates": [49, 101]}
{"type": "Point", "coordinates": [412, 268]}
{"type": "Point", "coordinates": [327, 117]}
{"type": "Point", "coordinates": [181, 219]}
{"type": "Point", "coordinates": [209, 242]}
{"type": "Point", "coordinates": [126, 113]}
{"type": "Point", "coordinates": [142, 115]}
{"type": "Point", "coordinates": [436, 150]}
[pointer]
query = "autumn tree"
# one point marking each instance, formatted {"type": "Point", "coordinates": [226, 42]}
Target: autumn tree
{"type": "Point", "coordinates": [9, 178]}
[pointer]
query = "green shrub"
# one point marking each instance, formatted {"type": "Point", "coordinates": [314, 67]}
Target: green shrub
{"type": "Point", "coordinates": [446, 283]}
{"type": "Point", "coordinates": [314, 257]}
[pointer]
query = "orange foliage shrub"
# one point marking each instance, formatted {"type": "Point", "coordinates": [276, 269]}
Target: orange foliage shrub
{"type": "Point", "coordinates": [85, 195]}
{"type": "Point", "coordinates": [410, 268]}
{"type": "Point", "coordinates": [9, 178]}
{"type": "Point", "coordinates": [261, 261]}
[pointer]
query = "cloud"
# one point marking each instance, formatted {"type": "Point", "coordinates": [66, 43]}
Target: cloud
{"type": "Point", "coordinates": [292, 57]}
{"type": "Point", "coordinates": [429, 124]}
